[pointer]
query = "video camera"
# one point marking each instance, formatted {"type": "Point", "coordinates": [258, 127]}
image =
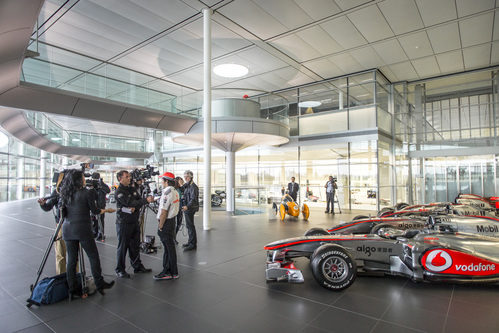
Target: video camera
{"type": "Point", "coordinates": [92, 180]}
{"type": "Point", "coordinates": [141, 174]}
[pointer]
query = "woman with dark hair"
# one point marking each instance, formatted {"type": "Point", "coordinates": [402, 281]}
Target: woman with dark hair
{"type": "Point", "coordinates": [179, 182]}
{"type": "Point", "coordinates": [78, 202]}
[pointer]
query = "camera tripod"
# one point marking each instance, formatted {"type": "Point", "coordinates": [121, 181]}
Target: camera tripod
{"type": "Point", "coordinates": [54, 238]}
{"type": "Point", "coordinates": [337, 200]}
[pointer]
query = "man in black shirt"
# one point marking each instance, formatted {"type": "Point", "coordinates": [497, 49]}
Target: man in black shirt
{"type": "Point", "coordinates": [128, 204]}
{"type": "Point", "coordinates": [293, 188]}
{"type": "Point", "coordinates": [102, 190]}
{"type": "Point", "coordinates": [190, 205]}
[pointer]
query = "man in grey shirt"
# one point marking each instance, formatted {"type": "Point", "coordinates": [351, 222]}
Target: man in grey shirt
{"type": "Point", "coordinates": [331, 187]}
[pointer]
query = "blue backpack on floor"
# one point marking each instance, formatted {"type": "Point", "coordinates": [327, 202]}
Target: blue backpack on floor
{"type": "Point", "coordinates": [50, 290]}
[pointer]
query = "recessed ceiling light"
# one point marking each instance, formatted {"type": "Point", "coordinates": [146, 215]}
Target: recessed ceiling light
{"type": "Point", "coordinates": [230, 70]}
{"type": "Point", "coordinates": [132, 141]}
{"type": "Point", "coordinates": [75, 140]}
{"type": "Point", "coordinates": [309, 104]}
{"type": "Point", "coordinates": [56, 139]}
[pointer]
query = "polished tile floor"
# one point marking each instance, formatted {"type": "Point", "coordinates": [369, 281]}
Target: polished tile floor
{"type": "Point", "coordinates": [222, 287]}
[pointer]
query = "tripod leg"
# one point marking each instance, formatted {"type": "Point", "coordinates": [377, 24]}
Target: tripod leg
{"type": "Point", "coordinates": [44, 261]}
{"type": "Point", "coordinates": [84, 289]}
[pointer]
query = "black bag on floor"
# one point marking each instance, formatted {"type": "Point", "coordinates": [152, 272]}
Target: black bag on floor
{"type": "Point", "coordinates": [50, 290]}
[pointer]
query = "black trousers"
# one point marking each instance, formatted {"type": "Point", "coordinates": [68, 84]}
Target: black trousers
{"type": "Point", "coordinates": [191, 228]}
{"type": "Point", "coordinates": [100, 218]}
{"type": "Point", "coordinates": [330, 199]}
{"type": "Point", "coordinates": [293, 195]}
{"type": "Point", "coordinates": [128, 240]}
{"type": "Point", "coordinates": [167, 236]}
{"type": "Point", "coordinates": [179, 221]}
{"type": "Point", "coordinates": [90, 248]}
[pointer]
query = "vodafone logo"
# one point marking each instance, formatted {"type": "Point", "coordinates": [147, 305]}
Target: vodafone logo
{"type": "Point", "coordinates": [438, 260]}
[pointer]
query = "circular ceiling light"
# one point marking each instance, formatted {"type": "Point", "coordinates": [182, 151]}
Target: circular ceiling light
{"type": "Point", "coordinates": [230, 70]}
{"type": "Point", "coordinates": [309, 104]}
{"type": "Point", "coordinates": [4, 139]}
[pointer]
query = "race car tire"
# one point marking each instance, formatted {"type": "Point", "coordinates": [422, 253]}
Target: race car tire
{"type": "Point", "coordinates": [360, 217]}
{"type": "Point", "coordinates": [316, 232]}
{"type": "Point", "coordinates": [401, 206]}
{"type": "Point", "coordinates": [385, 210]}
{"type": "Point", "coordinates": [305, 212]}
{"type": "Point", "coordinates": [282, 212]}
{"type": "Point", "coordinates": [333, 267]}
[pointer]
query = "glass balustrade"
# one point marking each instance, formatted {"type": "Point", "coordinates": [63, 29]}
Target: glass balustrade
{"type": "Point", "coordinates": [55, 133]}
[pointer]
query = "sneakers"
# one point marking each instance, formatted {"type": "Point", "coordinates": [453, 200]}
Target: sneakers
{"type": "Point", "coordinates": [327, 212]}
{"type": "Point", "coordinates": [123, 275]}
{"type": "Point", "coordinates": [142, 269]}
{"type": "Point", "coordinates": [165, 276]}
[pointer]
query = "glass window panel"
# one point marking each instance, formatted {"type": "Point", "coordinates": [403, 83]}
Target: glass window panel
{"type": "Point", "coordinates": [429, 182]}
{"type": "Point", "coordinates": [464, 179]}
{"type": "Point", "coordinates": [452, 190]}
{"type": "Point", "coordinates": [488, 180]}
{"type": "Point", "coordinates": [476, 178]}
{"type": "Point", "coordinates": [362, 118]}
{"type": "Point", "coordinates": [323, 123]}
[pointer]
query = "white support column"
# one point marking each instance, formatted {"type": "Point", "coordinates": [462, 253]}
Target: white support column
{"type": "Point", "coordinates": [230, 176]}
{"type": "Point", "coordinates": [207, 117]}
{"type": "Point", "coordinates": [43, 171]}
{"type": "Point", "coordinates": [20, 171]}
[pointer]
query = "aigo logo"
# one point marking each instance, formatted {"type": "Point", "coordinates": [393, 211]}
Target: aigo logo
{"type": "Point", "coordinates": [438, 260]}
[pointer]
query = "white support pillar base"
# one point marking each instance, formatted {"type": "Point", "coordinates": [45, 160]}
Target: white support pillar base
{"type": "Point", "coordinates": [230, 176]}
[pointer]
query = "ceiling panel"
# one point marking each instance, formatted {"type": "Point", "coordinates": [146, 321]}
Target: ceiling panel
{"type": "Point", "coordinates": [476, 56]}
{"type": "Point", "coordinates": [434, 12]}
{"type": "Point", "coordinates": [346, 63]}
{"type": "Point", "coordinates": [368, 57]}
{"type": "Point", "coordinates": [467, 7]}
{"type": "Point", "coordinates": [402, 15]}
{"type": "Point", "coordinates": [416, 45]}
{"type": "Point", "coordinates": [476, 30]}
{"type": "Point", "coordinates": [445, 38]}
{"type": "Point", "coordinates": [253, 18]}
{"type": "Point", "coordinates": [260, 60]}
{"type": "Point", "coordinates": [318, 9]}
{"type": "Point", "coordinates": [389, 74]}
{"type": "Point", "coordinates": [320, 40]}
{"type": "Point", "coordinates": [426, 67]}
{"type": "Point", "coordinates": [450, 61]}
{"type": "Point", "coordinates": [404, 71]}
{"type": "Point", "coordinates": [371, 23]}
{"type": "Point", "coordinates": [286, 12]}
{"type": "Point", "coordinates": [496, 27]}
{"type": "Point", "coordinates": [344, 32]}
{"type": "Point", "coordinates": [347, 4]}
{"type": "Point", "coordinates": [390, 51]}
{"type": "Point", "coordinates": [296, 48]}
{"type": "Point", "coordinates": [324, 68]}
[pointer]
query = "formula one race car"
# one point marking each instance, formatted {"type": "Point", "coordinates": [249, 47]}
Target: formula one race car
{"type": "Point", "coordinates": [474, 224]}
{"type": "Point", "coordinates": [290, 207]}
{"type": "Point", "coordinates": [423, 255]}
{"type": "Point", "coordinates": [487, 203]}
{"type": "Point", "coordinates": [435, 208]}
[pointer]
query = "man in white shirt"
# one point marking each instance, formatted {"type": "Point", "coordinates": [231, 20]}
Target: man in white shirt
{"type": "Point", "coordinates": [167, 212]}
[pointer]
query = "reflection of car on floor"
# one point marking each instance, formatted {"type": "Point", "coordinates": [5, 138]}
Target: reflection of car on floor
{"type": "Point", "coordinates": [422, 255]}
{"type": "Point", "coordinates": [290, 207]}
{"type": "Point", "coordinates": [482, 225]}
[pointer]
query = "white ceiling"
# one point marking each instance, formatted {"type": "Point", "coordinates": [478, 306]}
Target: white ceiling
{"type": "Point", "coordinates": [284, 43]}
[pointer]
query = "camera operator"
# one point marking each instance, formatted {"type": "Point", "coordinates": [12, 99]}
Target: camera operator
{"type": "Point", "coordinates": [102, 190]}
{"type": "Point", "coordinates": [139, 187]}
{"type": "Point", "coordinates": [128, 203]}
{"type": "Point", "coordinates": [190, 206]}
{"type": "Point", "coordinates": [47, 204]}
{"type": "Point", "coordinates": [77, 203]}
{"type": "Point", "coordinates": [331, 187]}
{"type": "Point", "coordinates": [169, 205]}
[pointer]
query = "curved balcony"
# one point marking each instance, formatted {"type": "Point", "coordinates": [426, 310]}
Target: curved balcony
{"type": "Point", "coordinates": [38, 130]}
